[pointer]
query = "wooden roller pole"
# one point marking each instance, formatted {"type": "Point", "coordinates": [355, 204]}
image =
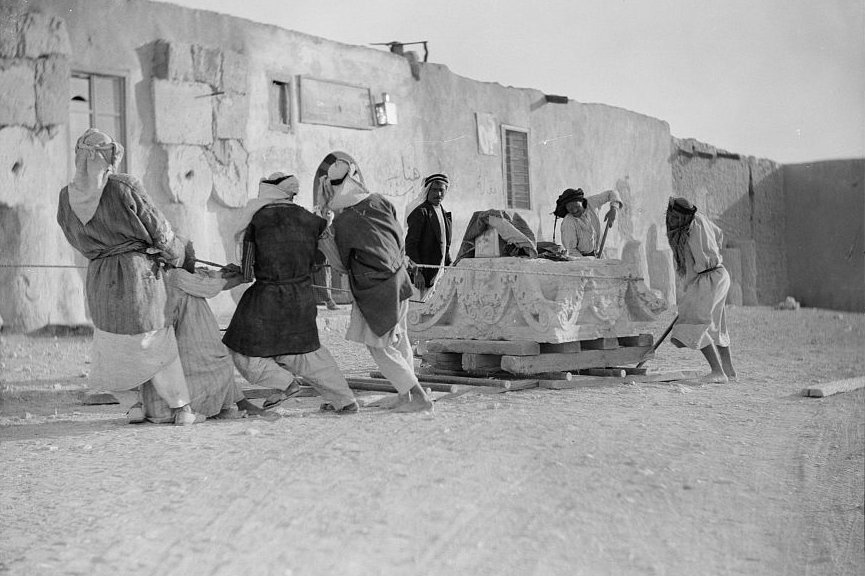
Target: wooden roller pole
{"type": "Point", "coordinates": [383, 385]}
{"type": "Point", "coordinates": [458, 380]}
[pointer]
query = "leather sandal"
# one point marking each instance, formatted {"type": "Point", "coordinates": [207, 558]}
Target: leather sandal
{"type": "Point", "coordinates": [278, 398]}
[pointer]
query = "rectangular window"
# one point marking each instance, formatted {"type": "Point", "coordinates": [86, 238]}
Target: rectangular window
{"type": "Point", "coordinates": [98, 101]}
{"type": "Point", "coordinates": [516, 158]}
{"type": "Point", "coordinates": [280, 104]}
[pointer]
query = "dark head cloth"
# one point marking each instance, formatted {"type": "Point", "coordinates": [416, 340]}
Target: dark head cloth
{"type": "Point", "coordinates": [569, 195]}
{"type": "Point", "coordinates": [682, 206]}
{"type": "Point", "coordinates": [435, 178]}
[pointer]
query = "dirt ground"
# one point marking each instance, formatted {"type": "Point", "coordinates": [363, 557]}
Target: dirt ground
{"type": "Point", "coordinates": [744, 478]}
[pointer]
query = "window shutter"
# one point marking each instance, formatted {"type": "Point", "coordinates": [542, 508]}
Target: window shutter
{"type": "Point", "coordinates": [517, 169]}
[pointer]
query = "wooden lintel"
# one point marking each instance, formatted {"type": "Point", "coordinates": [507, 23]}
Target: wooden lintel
{"type": "Point", "coordinates": [560, 348]}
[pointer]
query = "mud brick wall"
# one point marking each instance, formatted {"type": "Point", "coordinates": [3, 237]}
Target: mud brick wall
{"type": "Point", "coordinates": [744, 196]}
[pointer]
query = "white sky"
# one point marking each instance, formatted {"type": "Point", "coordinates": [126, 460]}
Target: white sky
{"type": "Point", "coordinates": [777, 79]}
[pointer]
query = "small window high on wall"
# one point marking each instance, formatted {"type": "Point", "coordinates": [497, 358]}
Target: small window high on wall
{"type": "Point", "coordinates": [280, 104]}
{"type": "Point", "coordinates": [516, 166]}
{"type": "Point", "coordinates": [98, 101]}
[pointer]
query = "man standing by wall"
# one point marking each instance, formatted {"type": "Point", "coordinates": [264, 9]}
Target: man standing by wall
{"type": "Point", "coordinates": [429, 232]}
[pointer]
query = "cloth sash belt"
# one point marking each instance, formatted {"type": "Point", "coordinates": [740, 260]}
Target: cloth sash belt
{"type": "Point", "coordinates": [129, 246]}
{"type": "Point", "coordinates": [295, 280]}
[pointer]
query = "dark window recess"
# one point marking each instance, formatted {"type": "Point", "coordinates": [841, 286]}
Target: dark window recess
{"type": "Point", "coordinates": [98, 101]}
{"type": "Point", "coordinates": [517, 169]}
{"type": "Point", "coordinates": [280, 103]}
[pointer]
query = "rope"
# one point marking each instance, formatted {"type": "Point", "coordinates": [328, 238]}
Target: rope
{"type": "Point", "coordinates": [446, 268]}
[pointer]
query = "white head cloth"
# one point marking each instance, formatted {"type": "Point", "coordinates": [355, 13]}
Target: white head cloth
{"type": "Point", "coordinates": [85, 190]}
{"type": "Point", "coordinates": [346, 190]}
{"type": "Point", "coordinates": [278, 188]}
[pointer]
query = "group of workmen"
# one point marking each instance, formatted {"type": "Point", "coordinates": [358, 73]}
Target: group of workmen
{"type": "Point", "coordinates": [154, 331]}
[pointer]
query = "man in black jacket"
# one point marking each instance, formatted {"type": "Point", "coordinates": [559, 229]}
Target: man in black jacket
{"type": "Point", "coordinates": [429, 232]}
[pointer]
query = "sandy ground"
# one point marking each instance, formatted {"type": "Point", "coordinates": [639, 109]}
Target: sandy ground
{"type": "Point", "coordinates": [666, 479]}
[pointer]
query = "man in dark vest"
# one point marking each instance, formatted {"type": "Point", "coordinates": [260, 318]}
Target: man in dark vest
{"type": "Point", "coordinates": [428, 240]}
{"type": "Point", "coordinates": [273, 331]}
{"type": "Point", "coordinates": [365, 242]}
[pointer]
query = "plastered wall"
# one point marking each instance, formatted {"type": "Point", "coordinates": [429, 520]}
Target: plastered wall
{"type": "Point", "coordinates": [825, 233]}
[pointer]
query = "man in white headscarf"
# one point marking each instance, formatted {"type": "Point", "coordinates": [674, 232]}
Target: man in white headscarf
{"type": "Point", "coordinates": [273, 333]}
{"type": "Point", "coordinates": [366, 242]}
{"type": "Point", "coordinates": [111, 220]}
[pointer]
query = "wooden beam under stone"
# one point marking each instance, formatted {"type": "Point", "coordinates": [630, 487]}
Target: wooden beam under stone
{"type": "Point", "coordinates": [639, 340]}
{"type": "Point", "coordinates": [836, 387]}
{"type": "Point", "coordinates": [484, 363]}
{"type": "Point", "coordinates": [567, 362]}
{"type": "Point", "coordinates": [600, 344]}
{"type": "Point", "coordinates": [500, 347]}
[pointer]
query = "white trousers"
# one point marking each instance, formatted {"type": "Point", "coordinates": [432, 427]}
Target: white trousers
{"type": "Point", "coordinates": [318, 368]}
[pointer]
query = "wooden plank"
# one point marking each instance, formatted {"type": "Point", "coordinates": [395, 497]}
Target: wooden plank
{"type": "Point", "coordinates": [594, 382]}
{"type": "Point", "coordinates": [665, 376]}
{"type": "Point", "coordinates": [523, 384]}
{"type": "Point", "coordinates": [629, 370]}
{"type": "Point", "coordinates": [446, 360]}
{"type": "Point", "coordinates": [608, 372]}
{"type": "Point", "coordinates": [463, 390]}
{"type": "Point", "coordinates": [836, 387]}
{"type": "Point", "coordinates": [500, 347]}
{"type": "Point", "coordinates": [639, 340]}
{"type": "Point", "coordinates": [481, 363]}
{"type": "Point", "coordinates": [568, 362]}
{"type": "Point", "coordinates": [560, 348]}
{"type": "Point", "coordinates": [460, 380]}
{"type": "Point", "coordinates": [600, 344]}
{"type": "Point", "coordinates": [554, 376]}
{"type": "Point", "coordinates": [383, 385]}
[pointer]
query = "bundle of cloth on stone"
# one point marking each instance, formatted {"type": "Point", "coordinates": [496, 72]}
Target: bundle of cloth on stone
{"type": "Point", "coordinates": [515, 236]}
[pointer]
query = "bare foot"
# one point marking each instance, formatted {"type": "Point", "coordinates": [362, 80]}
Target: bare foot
{"type": "Point", "coordinates": [730, 372]}
{"type": "Point", "coordinates": [412, 402]}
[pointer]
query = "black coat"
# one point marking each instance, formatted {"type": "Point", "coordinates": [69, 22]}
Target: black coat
{"type": "Point", "coordinates": [423, 241]}
{"type": "Point", "coordinates": [276, 315]}
{"type": "Point", "coordinates": [369, 239]}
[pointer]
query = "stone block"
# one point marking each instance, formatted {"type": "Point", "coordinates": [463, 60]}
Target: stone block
{"type": "Point", "coordinates": [229, 163]}
{"type": "Point", "coordinates": [748, 258]}
{"type": "Point", "coordinates": [230, 115]}
{"type": "Point", "coordinates": [536, 300]}
{"type": "Point", "coordinates": [634, 256]}
{"type": "Point", "coordinates": [235, 69]}
{"type": "Point", "coordinates": [35, 297]}
{"type": "Point", "coordinates": [10, 19]}
{"type": "Point", "coordinates": [52, 90]}
{"type": "Point", "coordinates": [184, 112]}
{"type": "Point", "coordinates": [172, 61]}
{"type": "Point", "coordinates": [26, 174]}
{"type": "Point", "coordinates": [207, 65]}
{"type": "Point", "coordinates": [17, 85]}
{"type": "Point", "coordinates": [190, 180]}
{"type": "Point", "coordinates": [42, 35]}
